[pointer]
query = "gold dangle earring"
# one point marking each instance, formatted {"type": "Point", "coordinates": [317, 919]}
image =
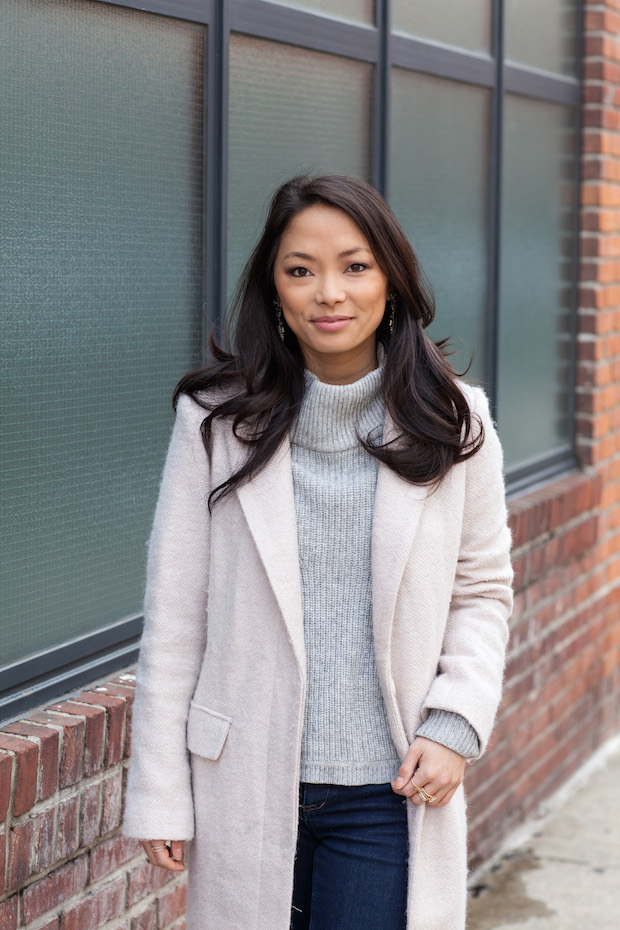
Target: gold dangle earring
{"type": "Point", "coordinates": [279, 318]}
{"type": "Point", "coordinates": [392, 302]}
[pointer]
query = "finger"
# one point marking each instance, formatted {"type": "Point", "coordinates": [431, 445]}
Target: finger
{"type": "Point", "coordinates": [442, 791]}
{"type": "Point", "coordinates": [176, 850]}
{"type": "Point", "coordinates": [146, 846]}
{"type": "Point", "coordinates": [150, 852]}
{"type": "Point", "coordinates": [159, 854]}
{"type": "Point", "coordinates": [447, 797]}
{"type": "Point", "coordinates": [401, 784]}
{"type": "Point", "coordinates": [416, 798]}
{"type": "Point", "coordinates": [438, 780]}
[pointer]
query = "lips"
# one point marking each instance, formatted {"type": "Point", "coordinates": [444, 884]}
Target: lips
{"type": "Point", "coordinates": [331, 323]}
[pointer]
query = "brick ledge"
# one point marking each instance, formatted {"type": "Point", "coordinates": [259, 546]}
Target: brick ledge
{"type": "Point", "coordinates": [539, 512]}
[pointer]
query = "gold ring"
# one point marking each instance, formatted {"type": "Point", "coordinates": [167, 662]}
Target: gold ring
{"type": "Point", "coordinates": [158, 848]}
{"type": "Point", "coordinates": [422, 793]}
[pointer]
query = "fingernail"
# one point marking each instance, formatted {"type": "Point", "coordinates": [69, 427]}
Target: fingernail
{"type": "Point", "coordinates": [400, 781]}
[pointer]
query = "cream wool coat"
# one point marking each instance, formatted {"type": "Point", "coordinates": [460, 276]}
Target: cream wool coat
{"type": "Point", "coordinates": [221, 681]}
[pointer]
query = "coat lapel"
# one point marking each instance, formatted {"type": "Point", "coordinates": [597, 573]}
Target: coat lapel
{"type": "Point", "coordinates": [269, 508]}
{"type": "Point", "coordinates": [398, 507]}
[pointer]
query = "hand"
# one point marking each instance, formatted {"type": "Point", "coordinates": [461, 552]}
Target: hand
{"type": "Point", "coordinates": [433, 767]}
{"type": "Point", "coordinates": [165, 856]}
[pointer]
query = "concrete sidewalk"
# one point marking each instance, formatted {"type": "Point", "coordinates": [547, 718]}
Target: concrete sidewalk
{"type": "Point", "coordinates": [562, 870]}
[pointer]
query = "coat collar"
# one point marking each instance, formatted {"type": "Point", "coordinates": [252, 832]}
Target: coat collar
{"type": "Point", "coordinates": [269, 507]}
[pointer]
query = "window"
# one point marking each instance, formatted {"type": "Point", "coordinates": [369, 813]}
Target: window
{"type": "Point", "coordinates": [140, 144]}
{"type": "Point", "coordinates": [101, 183]}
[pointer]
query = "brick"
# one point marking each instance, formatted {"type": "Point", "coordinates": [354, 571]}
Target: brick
{"type": "Point", "coordinates": [49, 892]}
{"type": "Point", "coordinates": [6, 776]}
{"type": "Point", "coordinates": [68, 817]}
{"type": "Point", "coordinates": [147, 920]}
{"type": "Point", "coordinates": [144, 879]}
{"type": "Point", "coordinates": [96, 909]}
{"type": "Point", "coordinates": [51, 924]}
{"type": "Point", "coordinates": [111, 854]}
{"type": "Point", "coordinates": [94, 739]}
{"type": "Point", "coordinates": [20, 851]}
{"type": "Point", "coordinates": [116, 711]}
{"type": "Point", "coordinates": [3, 844]}
{"type": "Point", "coordinates": [112, 802]}
{"type": "Point", "coordinates": [128, 692]}
{"type": "Point", "coordinates": [172, 905]}
{"type": "Point", "coordinates": [90, 813]}
{"type": "Point", "coordinates": [8, 913]}
{"type": "Point", "coordinates": [72, 751]}
{"type": "Point", "coordinates": [118, 688]}
{"type": "Point", "coordinates": [48, 753]}
{"type": "Point", "coordinates": [44, 839]}
{"type": "Point", "coordinates": [27, 762]}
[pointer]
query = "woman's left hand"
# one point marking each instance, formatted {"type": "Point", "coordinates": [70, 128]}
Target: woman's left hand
{"type": "Point", "coordinates": [434, 768]}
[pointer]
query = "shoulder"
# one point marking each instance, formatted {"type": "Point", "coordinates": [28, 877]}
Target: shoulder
{"type": "Point", "coordinates": [488, 461]}
{"type": "Point", "coordinates": [476, 398]}
{"type": "Point", "coordinates": [220, 441]}
{"type": "Point", "coordinates": [200, 404]}
{"type": "Point", "coordinates": [189, 415]}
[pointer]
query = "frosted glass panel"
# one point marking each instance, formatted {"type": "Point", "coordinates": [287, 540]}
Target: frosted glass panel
{"type": "Point", "coordinates": [291, 111]}
{"type": "Point", "coordinates": [100, 185]}
{"type": "Point", "coordinates": [542, 35]}
{"type": "Point", "coordinates": [439, 164]}
{"type": "Point", "coordinates": [464, 23]}
{"type": "Point", "coordinates": [362, 11]}
{"type": "Point", "coordinates": [540, 149]}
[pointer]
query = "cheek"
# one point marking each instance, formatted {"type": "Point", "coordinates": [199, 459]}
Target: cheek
{"type": "Point", "coordinates": [378, 299]}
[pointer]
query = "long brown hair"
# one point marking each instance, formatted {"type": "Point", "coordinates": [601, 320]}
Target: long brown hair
{"type": "Point", "coordinates": [261, 380]}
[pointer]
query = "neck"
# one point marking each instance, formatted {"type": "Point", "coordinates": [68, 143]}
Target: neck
{"type": "Point", "coordinates": [341, 368]}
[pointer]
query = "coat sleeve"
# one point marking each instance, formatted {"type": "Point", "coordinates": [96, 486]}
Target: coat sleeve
{"type": "Point", "coordinates": [158, 797]}
{"type": "Point", "coordinates": [470, 670]}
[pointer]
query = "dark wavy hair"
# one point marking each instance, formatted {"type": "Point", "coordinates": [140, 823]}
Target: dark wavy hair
{"type": "Point", "coordinates": [259, 385]}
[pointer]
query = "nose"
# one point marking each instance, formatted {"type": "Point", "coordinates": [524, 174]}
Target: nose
{"type": "Point", "coordinates": [330, 291]}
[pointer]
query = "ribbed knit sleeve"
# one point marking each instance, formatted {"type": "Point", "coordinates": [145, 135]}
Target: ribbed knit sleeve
{"type": "Point", "coordinates": [451, 730]}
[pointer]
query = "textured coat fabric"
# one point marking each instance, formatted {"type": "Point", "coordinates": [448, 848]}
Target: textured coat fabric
{"type": "Point", "coordinates": [222, 674]}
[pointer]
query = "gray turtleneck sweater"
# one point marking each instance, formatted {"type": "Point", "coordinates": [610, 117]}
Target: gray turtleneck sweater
{"type": "Point", "coordinates": [346, 738]}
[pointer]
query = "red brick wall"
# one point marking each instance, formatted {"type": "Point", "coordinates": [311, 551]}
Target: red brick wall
{"type": "Point", "coordinates": [63, 863]}
{"type": "Point", "coordinates": [562, 695]}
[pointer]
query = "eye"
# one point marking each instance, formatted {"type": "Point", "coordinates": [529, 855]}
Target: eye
{"type": "Point", "coordinates": [357, 267]}
{"type": "Point", "coordinates": [299, 272]}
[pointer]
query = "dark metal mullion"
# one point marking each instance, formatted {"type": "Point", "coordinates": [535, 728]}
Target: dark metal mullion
{"type": "Point", "coordinates": [573, 332]}
{"type": "Point", "coordinates": [380, 142]}
{"type": "Point", "coordinates": [518, 79]}
{"type": "Point", "coordinates": [74, 650]}
{"type": "Point", "coordinates": [279, 23]}
{"type": "Point", "coordinates": [442, 61]}
{"type": "Point", "coordinates": [216, 173]}
{"type": "Point", "coordinates": [195, 11]}
{"type": "Point", "coordinates": [495, 209]}
{"type": "Point", "coordinates": [48, 674]}
{"type": "Point", "coordinates": [523, 478]}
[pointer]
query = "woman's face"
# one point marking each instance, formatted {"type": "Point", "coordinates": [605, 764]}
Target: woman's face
{"type": "Point", "coordinates": [332, 291]}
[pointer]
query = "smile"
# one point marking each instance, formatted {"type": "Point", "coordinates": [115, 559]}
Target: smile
{"type": "Point", "coordinates": [331, 323]}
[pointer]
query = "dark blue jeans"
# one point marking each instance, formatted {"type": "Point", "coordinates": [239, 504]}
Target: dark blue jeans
{"type": "Point", "coordinates": [351, 865]}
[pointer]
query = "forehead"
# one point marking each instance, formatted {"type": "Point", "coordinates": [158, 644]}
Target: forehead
{"type": "Point", "coordinates": [324, 228]}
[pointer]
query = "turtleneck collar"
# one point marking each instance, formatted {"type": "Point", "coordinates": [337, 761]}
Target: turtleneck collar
{"type": "Point", "coordinates": [333, 416]}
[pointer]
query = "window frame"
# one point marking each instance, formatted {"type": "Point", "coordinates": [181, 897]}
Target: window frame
{"type": "Point", "coordinates": [47, 674]}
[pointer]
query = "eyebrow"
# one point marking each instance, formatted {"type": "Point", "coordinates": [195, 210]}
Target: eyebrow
{"type": "Point", "coordinates": [311, 258]}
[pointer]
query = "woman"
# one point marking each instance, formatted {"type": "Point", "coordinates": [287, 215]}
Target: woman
{"type": "Point", "coordinates": [328, 594]}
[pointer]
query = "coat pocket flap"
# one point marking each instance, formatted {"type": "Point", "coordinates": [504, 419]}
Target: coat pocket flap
{"type": "Point", "coordinates": [206, 731]}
